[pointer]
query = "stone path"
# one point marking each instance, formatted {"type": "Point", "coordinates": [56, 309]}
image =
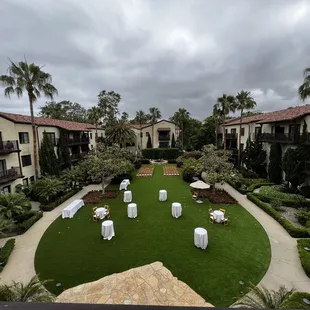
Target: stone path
{"type": "Point", "coordinates": [20, 267]}
{"type": "Point", "coordinates": [151, 284]}
{"type": "Point", "coordinates": [285, 268]}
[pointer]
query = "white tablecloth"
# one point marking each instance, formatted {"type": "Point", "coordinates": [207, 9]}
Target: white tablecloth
{"type": "Point", "coordinates": [127, 196]}
{"type": "Point", "coordinates": [218, 216]}
{"type": "Point", "coordinates": [201, 238]}
{"type": "Point", "coordinates": [176, 209]}
{"type": "Point", "coordinates": [72, 208]}
{"type": "Point", "coordinates": [132, 211]}
{"type": "Point", "coordinates": [101, 212]}
{"type": "Point", "coordinates": [107, 230]}
{"type": "Point", "coordinates": [162, 195]}
{"type": "Point", "coordinates": [124, 184]}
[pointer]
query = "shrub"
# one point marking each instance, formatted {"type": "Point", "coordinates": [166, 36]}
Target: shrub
{"type": "Point", "coordinates": [248, 174]}
{"type": "Point", "coordinates": [259, 184]}
{"type": "Point", "coordinates": [191, 168]}
{"type": "Point", "coordinates": [179, 164]}
{"type": "Point", "coordinates": [170, 153]}
{"type": "Point", "coordinates": [304, 255]}
{"type": "Point", "coordinates": [24, 216]}
{"type": "Point", "coordinates": [5, 252]}
{"type": "Point", "coordinates": [194, 154]}
{"type": "Point", "coordinates": [276, 204]}
{"type": "Point", "coordinates": [56, 203]}
{"type": "Point", "coordinates": [119, 178]}
{"type": "Point", "coordinates": [295, 232]}
{"type": "Point", "coordinates": [275, 163]}
{"type": "Point", "coordinates": [145, 161]}
{"type": "Point", "coordinates": [305, 191]}
{"type": "Point", "coordinates": [303, 217]}
{"type": "Point", "coordinates": [24, 226]}
{"type": "Point", "coordinates": [172, 161]}
{"type": "Point", "coordinates": [295, 301]}
{"type": "Point", "coordinates": [138, 165]}
{"type": "Point", "coordinates": [274, 192]}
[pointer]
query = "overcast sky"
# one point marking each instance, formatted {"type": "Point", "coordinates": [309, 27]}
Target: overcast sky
{"type": "Point", "coordinates": [164, 53]}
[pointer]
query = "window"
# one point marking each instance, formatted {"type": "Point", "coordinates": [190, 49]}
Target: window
{"type": "Point", "coordinates": [91, 135]}
{"type": "Point", "coordinates": [233, 131]}
{"type": "Point", "coordinates": [26, 160]}
{"type": "Point", "coordinates": [258, 130]}
{"type": "Point", "coordinates": [23, 137]}
{"type": "Point", "coordinates": [91, 146]}
{"type": "Point", "coordinates": [242, 132]}
{"type": "Point", "coordinates": [25, 181]}
{"type": "Point", "coordinates": [6, 190]}
{"type": "Point", "coordinates": [102, 135]}
{"type": "Point", "coordinates": [31, 180]}
{"type": "Point", "coordinates": [51, 135]}
{"type": "Point", "coordinates": [241, 146]}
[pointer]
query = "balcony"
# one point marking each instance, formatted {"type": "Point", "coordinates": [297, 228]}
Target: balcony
{"type": "Point", "coordinates": [231, 136]}
{"type": "Point", "coordinates": [163, 137]}
{"type": "Point", "coordinates": [7, 147]}
{"type": "Point", "coordinates": [289, 138]}
{"type": "Point", "coordinates": [78, 140]}
{"type": "Point", "coordinates": [10, 175]}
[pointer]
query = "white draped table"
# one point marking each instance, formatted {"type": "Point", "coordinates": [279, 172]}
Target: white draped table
{"type": "Point", "coordinates": [72, 208]}
{"type": "Point", "coordinates": [101, 212]}
{"type": "Point", "coordinates": [176, 209]}
{"type": "Point", "coordinates": [200, 238]}
{"type": "Point", "coordinates": [132, 211]}
{"type": "Point", "coordinates": [124, 184]}
{"type": "Point", "coordinates": [162, 195]}
{"type": "Point", "coordinates": [107, 230]}
{"type": "Point", "coordinates": [127, 196]}
{"type": "Point", "coordinates": [218, 216]}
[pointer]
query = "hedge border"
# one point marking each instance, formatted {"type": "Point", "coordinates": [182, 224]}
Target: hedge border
{"type": "Point", "coordinates": [295, 301]}
{"type": "Point", "coordinates": [251, 188]}
{"type": "Point", "coordinates": [156, 153]}
{"type": "Point", "coordinates": [24, 226]}
{"type": "Point", "coordinates": [304, 255]}
{"type": "Point", "coordinates": [295, 232]}
{"type": "Point", "coordinates": [5, 252]}
{"type": "Point", "coordinates": [59, 201]}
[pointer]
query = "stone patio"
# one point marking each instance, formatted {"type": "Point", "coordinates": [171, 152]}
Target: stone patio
{"type": "Point", "coordinates": [147, 285]}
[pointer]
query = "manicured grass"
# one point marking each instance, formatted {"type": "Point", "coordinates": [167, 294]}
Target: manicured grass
{"type": "Point", "coordinates": [72, 250]}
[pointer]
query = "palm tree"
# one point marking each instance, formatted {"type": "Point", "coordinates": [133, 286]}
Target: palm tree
{"type": "Point", "coordinates": [48, 188]}
{"type": "Point", "coordinates": [34, 291]}
{"type": "Point", "coordinates": [180, 117]}
{"type": "Point", "coordinates": [224, 105]}
{"type": "Point", "coordinates": [121, 133]}
{"type": "Point", "coordinates": [244, 101]}
{"type": "Point", "coordinates": [28, 77]}
{"type": "Point", "coordinates": [217, 120]}
{"type": "Point", "coordinates": [141, 118]}
{"type": "Point", "coordinates": [94, 115]}
{"type": "Point", "coordinates": [13, 204]}
{"type": "Point", "coordinates": [260, 297]}
{"type": "Point", "coordinates": [155, 115]}
{"type": "Point", "coordinates": [304, 89]}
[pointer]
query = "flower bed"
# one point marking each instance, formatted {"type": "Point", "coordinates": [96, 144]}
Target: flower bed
{"type": "Point", "coordinates": [220, 196]}
{"type": "Point", "coordinates": [95, 197]}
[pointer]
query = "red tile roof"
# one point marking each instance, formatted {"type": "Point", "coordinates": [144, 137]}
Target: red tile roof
{"type": "Point", "coordinates": [245, 120]}
{"type": "Point", "coordinates": [41, 121]}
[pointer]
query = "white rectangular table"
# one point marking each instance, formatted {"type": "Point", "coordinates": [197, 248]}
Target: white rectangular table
{"type": "Point", "coordinates": [72, 208]}
{"type": "Point", "coordinates": [124, 184]}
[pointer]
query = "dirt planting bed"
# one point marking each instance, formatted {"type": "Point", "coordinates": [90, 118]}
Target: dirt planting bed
{"type": "Point", "coordinates": [95, 197]}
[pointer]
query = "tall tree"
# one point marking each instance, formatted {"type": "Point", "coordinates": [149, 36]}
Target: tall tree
{"type": "Point", "coordinates": [304, 89]}
{"type": "Point", "coordinates": [275, 163]}
{"type": "Point", "coordinates": [149, 144]}
{"type": "Point", "coordinates": [120, 133]}
{"type": "Point", "coordinates": [94, 116]}
{"type": "Point", "coordinates": [141, 118]}
{"type": "Point", "coordinates": [181, 118]}
{"type": "Point", "coordinates": [173, 141]}
{"type": "Point", "coordinates": [224, 105]}
{"type": "Point", "coordinates": [108, 103]}
{"type": "Point", "coordinates": [28, 77]}
{"type": "Point", "coordinates": [217, 120]}
{"type": "Point", "coordinates": [47, 158]}
{"type": "Point", "coordinates": [244, 101]}
{"type": "Point", "coordinates": [155, 115]}
{"type": "Point", "coordinates": [125, 117]}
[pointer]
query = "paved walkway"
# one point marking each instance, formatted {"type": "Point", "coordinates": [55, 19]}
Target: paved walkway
{"type": "Point", "coordinates": [285, 268]}
{"type": "Point", "coordinates": [20, 267]}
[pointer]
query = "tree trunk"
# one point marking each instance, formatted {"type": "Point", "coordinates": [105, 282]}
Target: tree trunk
{"type": "Point", "coordinates": [102, 183]}
{"type": "Point", "coordinates": [239, 140]}
{"type": "Point", "coordinates": [224, 135]}
{"type": "Point", "coordinates": [216, 134]}
{"type": "Point", "coordinates": [182, 136]}
{"type": "Point", "coordinates": [153, 135]}
{"type": "Point", "coordinates": [213, 188]}
{"type": "Point", "coordinates": [34, 135]}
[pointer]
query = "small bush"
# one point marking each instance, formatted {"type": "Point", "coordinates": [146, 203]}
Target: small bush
{"type": "Point", "coordinates": [172, 161]}
{"type": "Point", "coordinates": [138, 165]}
{"type": "Point", "coordinates": [304, 255]}
{"type": "Point", "coordinates": [169, 153]}
{"type": "Point", "coordinates": [59, 201]}
{"type": "Point", "coordinates": [194, 154]}
{"type": "Point", "coordinates": [276, 204]}
{"type": "Point", "coordinates": [303, 217]}
{"type": "Point", "coordinates": [24, 216]}
{"type": "Point", "coordinates": [248, 174]}
{"type": "Point", "coordinates": [295, 301]}
{"type": "Point", "coordinates": [294, 231]}
{"type": "Point", "coordinates": [274, 192]}
{"type": "Point", "coordinates": [5, 252]}
{"type": "Point", "coordinates": [24, 226]}
{"type": "Point", "coordinates": [305, 191]}
{"type": "Point", "coordinates": [191, 168]}
{"type": "Point", "coordinates": [179, 164]}
{"type": "Point", "coordinates": [145, 161]}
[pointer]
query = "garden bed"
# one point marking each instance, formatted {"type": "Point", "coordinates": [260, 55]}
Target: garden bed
{"type": "Point", "coordinates": [304, 255]}
{"type": "Point", "coordinates": [220, 196]}
{"type": "Point", "coordinates": [96, 197]}
{"type": "Point", "coordinates": [5, 252]}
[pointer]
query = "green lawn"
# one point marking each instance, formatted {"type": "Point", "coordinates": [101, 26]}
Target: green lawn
{"type": "Point", "coordinates": [72, 251]}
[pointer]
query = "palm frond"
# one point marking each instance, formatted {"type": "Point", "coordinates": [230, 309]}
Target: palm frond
{"type": "Point", "coordinates": [19, 91]}
{"type": "Point", "coordinates": [8, 91]}
{"type": "Point", "coordinates": [49, 90]}
{"type": "Point", "coordinates": [7, 80]}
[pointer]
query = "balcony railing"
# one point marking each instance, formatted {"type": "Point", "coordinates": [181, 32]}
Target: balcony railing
{"type": "Point", "coordinates": [231, 136]}
{"type": "Point", "coordinates": [10, 175]}
{"type": "Point", "coordinates": [163, 137]}
{"type": "Point", "coordinates": [78, 140]}
{"type": "Point", "coordinates": [290, 138]}
{"type": "Point", "coordinates": [7, 147]}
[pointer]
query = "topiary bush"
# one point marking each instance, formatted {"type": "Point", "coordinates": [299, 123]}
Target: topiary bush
{"type": "Point", "coordinates": [275, 163]}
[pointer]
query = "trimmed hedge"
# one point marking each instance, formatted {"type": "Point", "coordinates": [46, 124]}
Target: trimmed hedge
{"type": "Point", "coordinates": [5, 252]}
{"type": "Point", "coordinates": [294, 231]}
{"type": "Point", "coordinates": [254, 186]}
{"type": "Point", "coordinates": [170, 153]}
{"type": "Point", "coordinates": [304, 255]}
{"type": "Point", "coordinates": [295, 301]}
{"type": "Point", "coordinates": [59, 201]}
{"type": "Point", "coordinates": [119, 178]}
{"type": "Point", "coordinates": [250, 188]}
{"type": "Point", "coordinates": [24, 226]}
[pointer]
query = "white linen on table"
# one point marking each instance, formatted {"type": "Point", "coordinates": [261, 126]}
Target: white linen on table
{"type": "Point", "coordinates": [127, 196]}
{"type": "Point", "coordinates": [107, 230]}
{"type": "Point", "coordinates": [124, 184]}
{"type": "Point", "coordinates": [72, 208]}
{"type": "Point", "coordinates": [132, 211]}
{"type": "Point", "coordinates": [201, 238]}
{"type": "Point", "coordinates": [218, 216]}
{"type": "Point", "coordinates": [101, 212]}
{"type": "Point", "coordinates": [176, 209]}
{"type": "Point", "coordinates": [162, 195]}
